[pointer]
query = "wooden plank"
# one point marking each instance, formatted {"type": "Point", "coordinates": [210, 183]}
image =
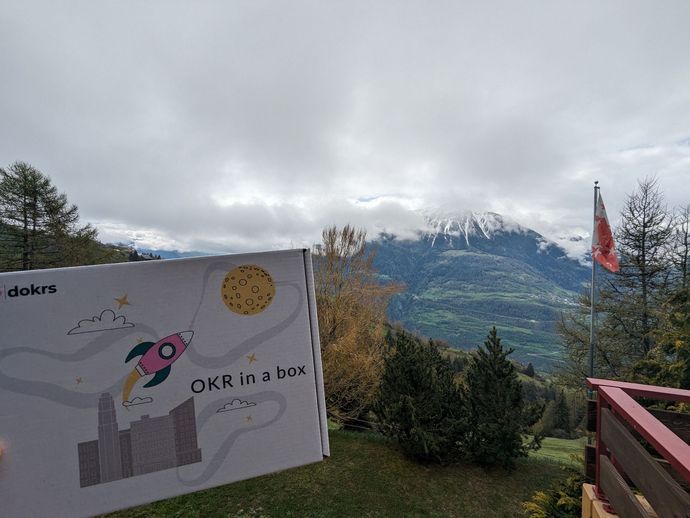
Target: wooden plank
{"type": "Point", "coordinates": [648, 508]}
{"type": "Point", "coordinates": [588, 497]}
{"type": "Point", "coordinates": [664, 441]}
{"type": "Point", "coordinates": [590, 461]}
{"type": "Point", "coordinates": [618, 493]}
{"type": "Point", "coordinates": [601, 510]}
{"type": "Point", "coordinates": [664, 464]}
{"type": "Point", "coordinates": [681, 482]}
{"type": "Point", "coordinates": [663, 493]}
{"type": "Point", "coordinates": [591, 415]}
{"type": "Point", "coordinates": [638, 389]}
{"type": "Point", "coordinates": [679, 423]}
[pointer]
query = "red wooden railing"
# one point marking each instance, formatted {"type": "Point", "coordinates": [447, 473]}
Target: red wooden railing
{"type": "Point", "coordinates": [621, 458]}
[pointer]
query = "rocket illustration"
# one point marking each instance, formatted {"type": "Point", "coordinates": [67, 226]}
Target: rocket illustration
{"type": "Point", "coordinates": [156, 358]}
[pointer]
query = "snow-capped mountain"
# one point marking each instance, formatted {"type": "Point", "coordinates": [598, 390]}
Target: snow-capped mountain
{"type": "Point", "coordinates": [451, 225]}
{"type": "Point", "coordinates": [464, 225]}
{"type": "Point", "coordinates": [468, 271]}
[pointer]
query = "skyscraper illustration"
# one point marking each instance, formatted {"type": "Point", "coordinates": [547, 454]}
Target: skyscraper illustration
{"type": "Point", "coordinates": [149, 444]}
{"type": "Point", "coordinates": [108, 440]}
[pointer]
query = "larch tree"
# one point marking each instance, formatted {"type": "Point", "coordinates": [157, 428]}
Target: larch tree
{"type": "Point", "coordinates": [669, 362]}
{"type": "Point", "coordinates": [351, 306]}
{"type": "Point", "coordinates": [38, 226]}
{"type": "Point", "coordinates": [680, 247]}
{"type": "Point", "coordinates": [629, 304]}
{"type": "Point", "coordinates": [642, 240]}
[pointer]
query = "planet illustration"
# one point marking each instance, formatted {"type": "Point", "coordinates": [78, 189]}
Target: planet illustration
{"type": "Point", "coordinates": [248, 289]}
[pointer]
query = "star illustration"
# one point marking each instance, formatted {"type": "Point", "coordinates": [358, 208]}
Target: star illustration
{"type": "Point", "coordinates": [248, 419]}
{"type": "Point", "coordinates": [251, 358]}
{"type": "Point", "coordinates": [122, 301]}
{"type": "Point", "coordinates": [79, 380]}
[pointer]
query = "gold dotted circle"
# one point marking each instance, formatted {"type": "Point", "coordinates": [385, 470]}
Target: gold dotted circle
{"type": "Point", "coordinates": [248, 289]}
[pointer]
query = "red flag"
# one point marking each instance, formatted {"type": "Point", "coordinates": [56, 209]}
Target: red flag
{"type": "Point", "coordinates": [603, 247]}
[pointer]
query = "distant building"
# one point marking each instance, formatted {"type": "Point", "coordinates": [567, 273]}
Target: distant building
{"type": "Point", "coordinates": [150, 444]}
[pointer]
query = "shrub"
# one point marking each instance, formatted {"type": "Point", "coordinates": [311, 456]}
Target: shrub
{"type": "Point", "coordinates": [562, 500]}
{"type": "Point", "coordinates": [419, 404]}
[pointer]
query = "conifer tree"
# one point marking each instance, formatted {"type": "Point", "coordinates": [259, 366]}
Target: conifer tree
{"type": "Point", "coordinates": [38, 226]}
{"type": "Point", "coordinates": [562, 414]}
{"type": "Point", "coordinates": [419, 403]}
{"type": "Point", "coordinates": [494, 404]}
{"type": "Point", "coordinates": [642, 238]}
{"type": "Point", "coordinates": [630, 304]}
{"type": "Point", "coordinates": [680, 248]}
{"type": "Point", "coordinates": [529, 370]}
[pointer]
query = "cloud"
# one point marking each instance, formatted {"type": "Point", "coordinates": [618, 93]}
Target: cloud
{"type": "Point", "coordinates": [137, 401]}
{"type": "Point", "coordinates": [107, 321]}
{"type": "Point", "coordinates": [235, 404]}
{"type": "Point", "coordinates": [234, 130]}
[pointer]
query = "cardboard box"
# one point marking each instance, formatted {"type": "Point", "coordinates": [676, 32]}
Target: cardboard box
{"type": "Point", "coordinates": [129, 383]}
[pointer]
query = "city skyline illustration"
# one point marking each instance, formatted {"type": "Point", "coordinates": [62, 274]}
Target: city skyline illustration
{"type": "Point", "coordinates": [150, 444]}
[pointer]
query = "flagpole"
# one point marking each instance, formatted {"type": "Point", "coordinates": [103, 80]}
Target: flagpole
{"type": "Point", "coordinates": [592, 320]}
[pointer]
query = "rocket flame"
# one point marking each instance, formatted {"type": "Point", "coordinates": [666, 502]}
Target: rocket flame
{"type": "Point", "coordinates": [129, 384]}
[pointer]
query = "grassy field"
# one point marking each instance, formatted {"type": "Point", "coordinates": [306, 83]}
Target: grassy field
{"type": "Point", "coordinates": [367, 476]}
{"type": "Point", "coordinates": [561, 451]}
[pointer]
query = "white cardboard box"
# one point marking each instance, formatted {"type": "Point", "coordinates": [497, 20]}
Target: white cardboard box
{"type": "Point", "coordinates": [129, 383]}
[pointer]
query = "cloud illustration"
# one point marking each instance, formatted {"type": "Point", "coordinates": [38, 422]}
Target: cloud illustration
{"type": "Point", "coordinates": [235, 404]}
{"type": "Point", "coordinates": [107, 321]}
{"type": "Point", "coordinates": [137, 401]}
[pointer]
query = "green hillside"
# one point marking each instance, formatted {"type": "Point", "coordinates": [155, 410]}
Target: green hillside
{"type": "Point", "coordinates": [69, 252]}
{"type": "Point", "coordinates": [457, 292]}
{"type": "Point", "coordinates": [367, 476]}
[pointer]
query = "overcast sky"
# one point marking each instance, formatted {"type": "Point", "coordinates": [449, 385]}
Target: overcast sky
{"type": "Point", "coordinates": [251, 125]}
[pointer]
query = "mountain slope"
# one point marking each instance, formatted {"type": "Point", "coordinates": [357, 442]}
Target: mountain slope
{"type": "Point", "coordinates": [468, 272]}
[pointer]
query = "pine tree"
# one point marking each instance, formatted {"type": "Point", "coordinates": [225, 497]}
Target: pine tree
{"type": "Point", "coordinates": [529, 370]}
{"type": "Point", "coordinates": [562, 414]}
{"type": "Point", "coordinates": [419, 403]}
{"type": "Point", "coordinates": [493, 401]}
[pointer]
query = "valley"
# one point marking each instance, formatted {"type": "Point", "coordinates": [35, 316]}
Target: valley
{"type": "Point", "coordinates": [469, 276]}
